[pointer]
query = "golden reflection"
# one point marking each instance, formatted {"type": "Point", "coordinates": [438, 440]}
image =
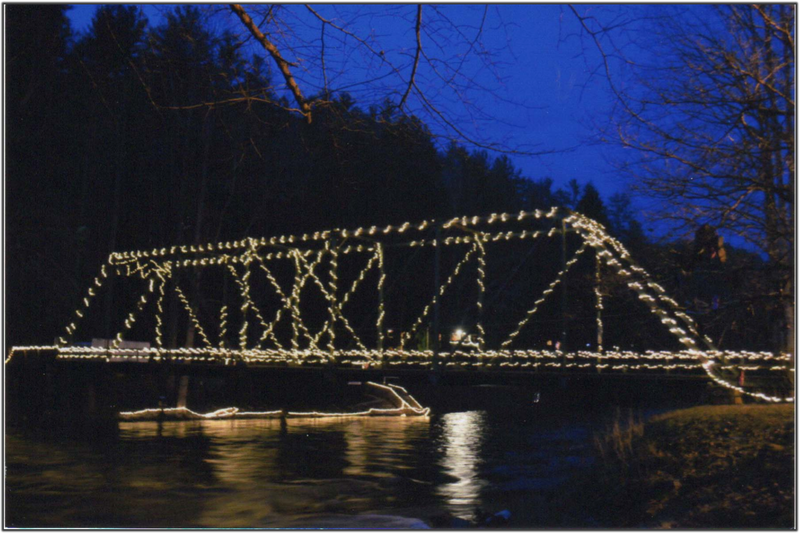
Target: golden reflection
{"type": "Point", "coordinates": [149, 430]}
{"type": "Point", "coordinates": [462, 435]}
{"type": "Point", "coordinates": [382, 443]}
{"type": "Point", "coordinates": [266, 473]}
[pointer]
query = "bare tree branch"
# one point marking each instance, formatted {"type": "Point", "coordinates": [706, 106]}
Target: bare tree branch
{"type": "Point", "coordinates": [416, 59]}
{"type": "Point", "coordinates": [283, 65]}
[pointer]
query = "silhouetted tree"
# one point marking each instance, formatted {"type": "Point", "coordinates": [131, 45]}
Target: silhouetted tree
{"type": "Point", "coordinates": [623, 222]}
{"type": "Point", "coordinates": [711, 113]}
{"type": "Point", "coordinates": [41, 232]}
{"type": "Point", "coordinates": [592, 205]}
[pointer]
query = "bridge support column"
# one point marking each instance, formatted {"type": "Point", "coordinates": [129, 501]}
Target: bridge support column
{"type": "Point", "coordinates": [183, 391]}
{"type": "Point", "coordinates": [737, 398]}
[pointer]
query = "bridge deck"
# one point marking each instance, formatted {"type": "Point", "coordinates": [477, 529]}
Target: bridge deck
{"type": "Point", "coordinates": [685, 364]}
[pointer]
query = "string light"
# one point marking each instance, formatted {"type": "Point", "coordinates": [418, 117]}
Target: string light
{"type": "Point", "coordinates": [481, 291]}
{"type": "Point", "coordinates": [300, 282]}
{"type": "Point", "coordinates": [407, 335]}
{"type": "Point", "coordinates": [223, 325]}
{"type": "Point", "coordinates": [597, 237]}
{"type": "Point", "coordinates": [248, 304]}
{"type": "Point", "coordinates": [545, 294]}
{"type": "Point", "coordinates": [22, 349]}
{"type": "Point", "coordinates": [159, 312]}
{"type": "Point", "coordinates": [336, 313]}
{"type": "Point", "coordinates": [163, 274]}
{"type": "Point", "coordinates": [245, 289]}
{"type": "Point", "coordinates": [96, 283]}
{"type": "Point", "coordinates": [614, 359]}
{"type": "Point", "coordinates": [131, 319]}
{"type": "Point", "coordinates": [268, 331]}
{"type": "Point", "coordinates": [381, 307]}
{"type": "Point", "coordinates": [331, 297]}
{"type": "Point", "coordinates": [307, 251]}
{"type": "Point", "coordinates": [337, 310]}
{"type": "Point", "coordinates": [192, 315]}
{"type": "Point", "coordinates": [407, 406]}
{"type": "Point", "coordinates": [598, 304]}
{"type": "Point", "coordinates": [121, 258]}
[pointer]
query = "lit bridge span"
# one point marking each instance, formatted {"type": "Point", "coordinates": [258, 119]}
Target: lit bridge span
{"type": "Point", "coordinates": [426, 295]}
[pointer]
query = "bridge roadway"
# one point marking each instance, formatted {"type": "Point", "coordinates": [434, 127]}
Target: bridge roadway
{"type": "Point", "coordinates": [53, 384]}
{"type": "Point", "coordinates": [681, 364]}
{"type": "Point", "coordinates": [45, 384]}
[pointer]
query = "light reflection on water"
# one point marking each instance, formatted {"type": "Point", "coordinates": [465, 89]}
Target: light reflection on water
{"type": "Point", "coordinates": [258, 473]}
{"type": "Point", "coordinates": [462, 435]}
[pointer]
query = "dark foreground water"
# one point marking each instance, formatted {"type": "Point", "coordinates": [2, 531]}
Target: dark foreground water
{"type": "Point", "coordinates": [357, 472]}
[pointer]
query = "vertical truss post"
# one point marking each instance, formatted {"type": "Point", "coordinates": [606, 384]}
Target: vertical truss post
{"type": "Point", "coordinates": [245, 301]}
{"type": "Point", "coordinates": [436, 283]}
{"type": "Point", "coordinates": [160, 311]}
{"type": "Point", "coordinates": [381, 308]}
{"type": "Point", "coordinates": [598, 304]}
{"type": "Point", "coordinates": [481, 290]}
{"type": "Point", "coordinates": [223, 325]}
{"type": "Point", "coordinates": [332, 284]}
{"type": "Point", "coordinates": [295, 300]}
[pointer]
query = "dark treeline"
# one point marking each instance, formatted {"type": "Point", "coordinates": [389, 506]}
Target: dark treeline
{"type": "Point", "coordinates": [140, 137]}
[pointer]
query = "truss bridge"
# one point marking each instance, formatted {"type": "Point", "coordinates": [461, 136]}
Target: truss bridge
{"type": "Point", "coordinates": [539, 292]}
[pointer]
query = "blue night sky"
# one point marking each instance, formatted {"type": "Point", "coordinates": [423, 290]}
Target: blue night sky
{"type": "Point", "coordinates": [545, 66]}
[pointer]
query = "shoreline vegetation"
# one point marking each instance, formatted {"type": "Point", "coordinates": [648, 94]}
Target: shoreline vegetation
{"type": "Point", "coordinates": [713, 466]}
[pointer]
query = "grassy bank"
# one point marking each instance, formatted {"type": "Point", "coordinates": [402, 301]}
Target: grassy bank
{"type": "Point", "coordinates": [722, 466]}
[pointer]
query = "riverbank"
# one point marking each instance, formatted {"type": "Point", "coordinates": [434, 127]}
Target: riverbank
{"type": "Point", "coordinates": [721, 466]}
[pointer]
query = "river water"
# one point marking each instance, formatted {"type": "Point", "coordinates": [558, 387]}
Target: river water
{"type": "Point", "coordinates": [356, 472]}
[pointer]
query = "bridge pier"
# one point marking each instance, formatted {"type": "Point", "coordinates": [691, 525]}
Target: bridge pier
{"type": "Point", "coordinates": [737, 398]}
{"type": "Point", "coordinates": [183, 391]}
{"type": "Point", "coordinates": [721, 396]}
